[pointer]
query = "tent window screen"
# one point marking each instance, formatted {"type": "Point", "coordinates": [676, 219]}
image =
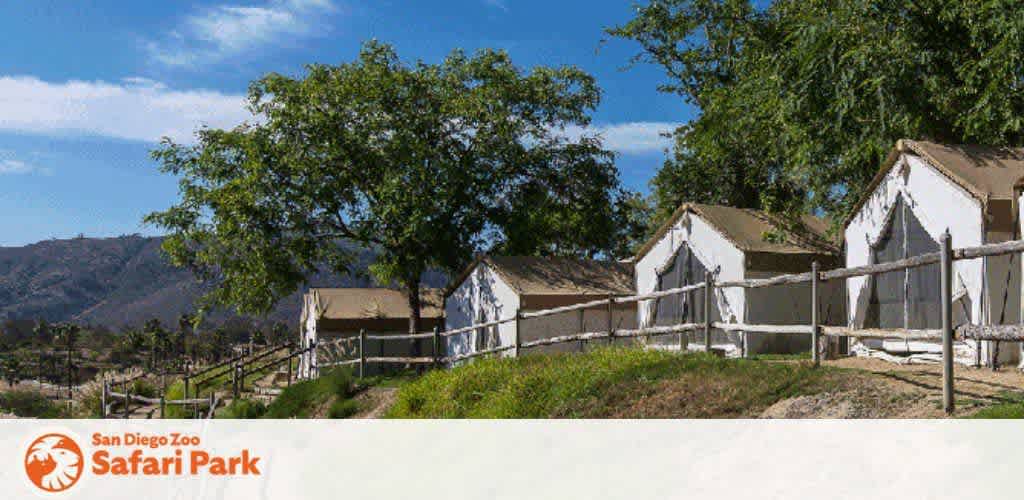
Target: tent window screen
{"type": "Point", "coordinates": [908, 298]}
{"type": "Point", "coordinates": [688, 307]}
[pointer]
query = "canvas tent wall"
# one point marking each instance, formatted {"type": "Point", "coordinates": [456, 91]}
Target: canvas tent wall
{"type": "Point", "coordinates": [493, 288]}
{"type": "Point", "coordinates": [331, 313]}
{"type": "Point", "coordinates": [732, 244]}
{"type": "Point", "coordinates": [922, 190]}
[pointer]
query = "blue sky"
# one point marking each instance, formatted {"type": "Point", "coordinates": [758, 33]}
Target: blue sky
{"type": "Point", "coordinates": [86, 91]}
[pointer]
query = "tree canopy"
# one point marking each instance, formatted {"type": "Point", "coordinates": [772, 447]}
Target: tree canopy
{"type": "Point", "coordinates": [427, 164]}
{"type": "Point", "coordinates": [800, 101]}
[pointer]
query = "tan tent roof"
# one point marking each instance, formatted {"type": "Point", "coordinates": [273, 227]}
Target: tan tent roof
{"type": "Point", "coordinates": [746, 228]}
{"type": "Point", "coordinates": [987, 172]}
{"type": "Point", "coordinates": [374, 303]}
{"type": "Point", "coordinates": [559, 276]}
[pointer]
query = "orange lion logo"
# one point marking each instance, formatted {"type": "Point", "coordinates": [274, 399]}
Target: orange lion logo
{"type": "Point", "coordinates": [54, 462]}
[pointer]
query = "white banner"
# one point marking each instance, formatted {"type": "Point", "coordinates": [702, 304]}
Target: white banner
{"type": "Point", "coordinates": [566, 459]}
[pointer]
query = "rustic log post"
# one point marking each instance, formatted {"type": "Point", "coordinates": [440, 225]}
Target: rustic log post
{"type": "Point", "coordinates": [234, 381]}
{"type": "Point", "coordinates": [163, 405]}
{"type": "Point", "coordinates": [519, 328]}
{"type": "Point", "coordinates": [127, 397]}
{"type": "Point", "coordinates": [288, 382]}
{"type": "Point", "coordinates": [707, 311]}
{"type": "Point", "coordinates": [815, 330]}
{"type": "Point", "coordinates": [946, 291]}
{"type": "Point", "coordinates": [362, 353]}
{"type": "Point", "coordinates": [212, 403]}
{"type": "Point", "coordinates": [103, 397]}
{"type": "Point", "coordinates": [581, 325]}
{"type": "Point", "coordinates": [437, 346]}
{"type": "Point", "coordinates": [188, 373]}
{"type": "Point", "coordinates": [611, 321]}
{"type": "Point", "coordinates": [241, 376]}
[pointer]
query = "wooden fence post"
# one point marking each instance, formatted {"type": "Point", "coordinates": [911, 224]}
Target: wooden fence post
{"type": "Point", "coordinates": [946, 290]}
{"type": "Point", "coordinates": [127, 397]}
{"type": "Point", "coordinates": [188, 372]}
{"type": "Point", "coordinates": [519, 335]}
{"type": "Point", "coordinates": [103, 398]}
{"type": "Point", "coordinates": [815, 348]}
{"type": "Point", "coordinates": [362, 353]}
{"type": "Point", "coordinates": [707, 311]}
{"type": "Point", "coordinates": [234, 380]}
{"type": "Point", "coordinates": [611, 321]}
{"type": "Point", "coordinates": [163, 405]}
{"type": "Point", "coordinates": [288, 383]}
{"type": "Point", "coordinates": [437, 347]}
{"type": "Point", "coordinates": [581, 322]}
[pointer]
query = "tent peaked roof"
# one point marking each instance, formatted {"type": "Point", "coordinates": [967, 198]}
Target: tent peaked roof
{"type": "Point", "coordinates": [375, 303]}
{"type": "Point", "coordinates": [987, 172]}
{"type": "Point", "coordinates": [558, 275]}
{"type": "Point", "coordinates": [747, 230]}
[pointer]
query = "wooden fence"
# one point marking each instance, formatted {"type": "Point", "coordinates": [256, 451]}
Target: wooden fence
{"type": "Point", "coordinates": [237, 366]}
{"type": "Point", "coordinates": [946, 335]}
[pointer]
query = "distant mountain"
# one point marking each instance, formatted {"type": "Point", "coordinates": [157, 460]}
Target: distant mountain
{"type": "Point", "coordinates": [122, 281]}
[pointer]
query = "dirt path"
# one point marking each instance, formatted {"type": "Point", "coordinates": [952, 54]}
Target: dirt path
{"type": "Point", "coordinates": [376, 401]}
{"type": "Point", "coordinates": [878, 389]}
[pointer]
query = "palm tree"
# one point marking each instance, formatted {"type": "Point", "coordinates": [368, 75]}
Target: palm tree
{"type": "Point", "coordinates": [67, 334]}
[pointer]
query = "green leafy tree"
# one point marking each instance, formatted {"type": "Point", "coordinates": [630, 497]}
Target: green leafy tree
{"type": "Point", "coordinates": [427, 164]}
{"type": "Point", "coordinates": [800, 101]}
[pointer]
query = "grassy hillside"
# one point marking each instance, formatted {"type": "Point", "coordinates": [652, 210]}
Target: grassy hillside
{"type": "Point", "coordinates": [611, 382]}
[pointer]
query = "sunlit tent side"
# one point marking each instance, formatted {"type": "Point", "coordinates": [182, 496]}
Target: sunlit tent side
{"type": "Point", "coordinates": [332, 313]}
{"type": "Point", "coordinates": [922, 190]}
{"type": "Point", "coordinates": [493, 288]}
{"type": "Point", "coordinates": [737, 244]}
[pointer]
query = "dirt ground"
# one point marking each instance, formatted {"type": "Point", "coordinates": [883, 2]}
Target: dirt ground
{"type": "Point", "coordinates": [880, 389]}
{"type": "Point", "coordinates": [374, 401]}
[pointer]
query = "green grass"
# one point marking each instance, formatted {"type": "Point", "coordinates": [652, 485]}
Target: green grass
{"type": "Point", "coordinates": [301, 399]}
{"type": "Point", "coordinates": [1013, 407]}
{"type": "Point", "coordinates": [607, 382]}
{"type": "Point", "coordinates": [243, 408]}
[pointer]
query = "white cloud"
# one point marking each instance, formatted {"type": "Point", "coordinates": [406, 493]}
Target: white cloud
{"type": "Point", "coordinates": [14, 167]}
{"type": "Point", "coordinates": [223, 31]}
{"type": "Point", "coordinates": [134, 109]}
{"type": "Point", "coordinates": [631, 137]}
{"type": "Point", "coordinates": [498, 4]}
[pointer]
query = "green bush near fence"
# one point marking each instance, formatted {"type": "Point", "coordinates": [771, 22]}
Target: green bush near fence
{"type": "Point", "coordinates": [302, 399]}
{"type": "Point", "coordinates": [608, 382]}
{"type": "Point", "coordinates": [243, 408]}
{"type": "Point", "coordinates": [30, 404]}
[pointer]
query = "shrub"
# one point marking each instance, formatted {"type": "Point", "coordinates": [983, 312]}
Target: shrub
{"type": "Point", "coordinates": [343, 408]}
{"type": "Point", "coordinates": [30, 404]}
{"type": "Point", "coordinates": [142, 387]}
{"type": "Point", "coordinates": [243, 408]}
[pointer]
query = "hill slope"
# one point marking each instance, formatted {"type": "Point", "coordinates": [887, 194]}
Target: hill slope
{"type": "Point", "coordinates": [120, 281]}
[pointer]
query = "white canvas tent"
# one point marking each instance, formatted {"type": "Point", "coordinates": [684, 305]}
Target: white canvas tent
{"type": "Point", "coordinates": [494, 288]}
{"type": "Point", "coordinates": [734, 244]}
{"type": "Point", "coordinates": [333, 313]}
{"type": "Point", "coordinates": [922, 190]}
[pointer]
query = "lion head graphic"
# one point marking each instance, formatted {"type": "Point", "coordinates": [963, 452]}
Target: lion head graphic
{"type": "Point", "coordinates": [54, 462]}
